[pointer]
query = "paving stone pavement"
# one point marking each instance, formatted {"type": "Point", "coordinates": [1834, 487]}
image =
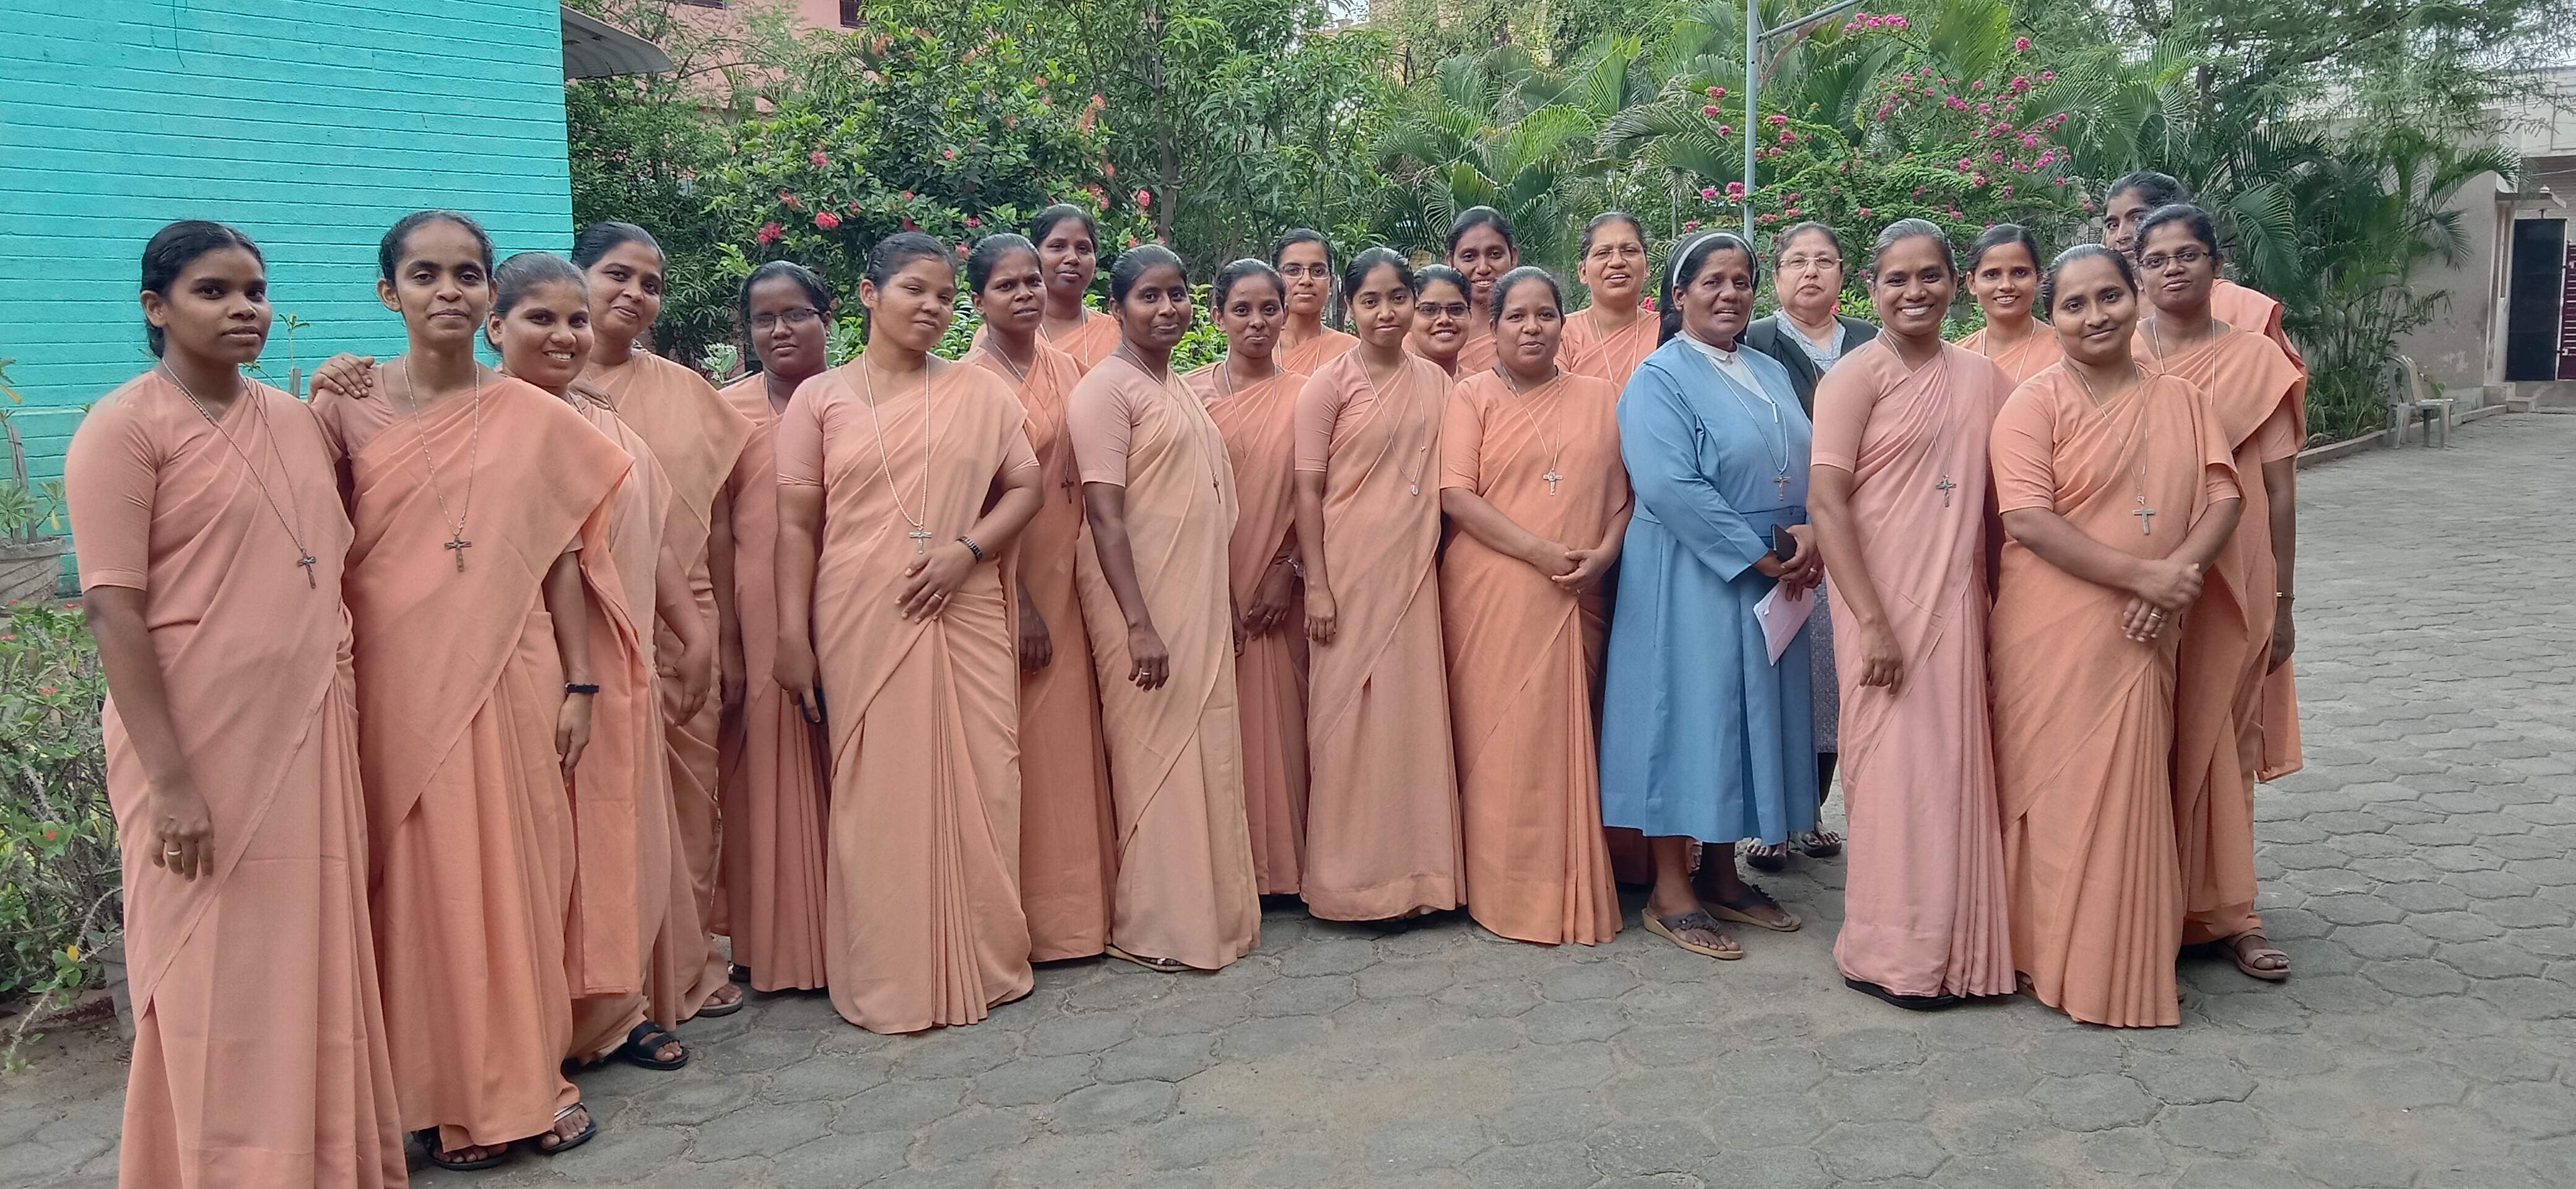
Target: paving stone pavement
{"type": "Point", "coordinates": [2419, 873]}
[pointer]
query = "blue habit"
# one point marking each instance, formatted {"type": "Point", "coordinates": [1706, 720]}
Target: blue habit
{"type": "Point", "coordinates": [1701, 735]}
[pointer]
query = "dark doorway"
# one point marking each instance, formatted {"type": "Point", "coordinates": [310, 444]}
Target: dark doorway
{"type": "Point", "coordinates": [2536, 299]}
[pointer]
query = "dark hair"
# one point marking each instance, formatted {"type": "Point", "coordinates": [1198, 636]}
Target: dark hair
{"type": "Point", "coordinates": [1689, 257]}
{"type": "Point", "coordinates": [1355, 274]}
{"type": "Point", "coordinates": [1527, 272]}
{"type": "Point", "coordinates": [989, 253]}
{"type": "Point", "coordinates": [1046, 220]}
{"type": "Point", "coordinates": [1481, 216]}
{"type": "Point", "coordinates": [1299, 235]}
{"type": "Point", "coordinates": [2159, 189]}
{"type": "Point", "coordinates": [389, 249]}
{"type": "Point", "coordinates": [174, 248]}
{"type": "Point", "coordinates": [1605, 219]}
{"type": "Point", "coordinates": [2119, 260]}
{"type": "Point", "coordinates": [1131, 267]}
{"type": "Point", "coordinates": [522, 272]}
{"type": "Point", "coordinates": [815, 290]}
{"type": "Point", "coordinates": [1781, 242]}
{"type": "Point", "coordinates": [902, 248]}
{"type": "Point", "coordinates": [1999, 235]}
{"type": "Point", "coordinates": [600, 239]}
{"type": "Point", "coordinates": [1227, 277]}
{"type": "Point", "coordinates": [1904, 229]}
{"type": "Point", "coordinates": [2191, 217]}
{"type": "Point", "coordinates": [1434, 274]}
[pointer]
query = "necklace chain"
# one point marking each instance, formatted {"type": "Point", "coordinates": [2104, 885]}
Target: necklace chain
{"type": "Point", "coordinates": [456, 542]}
{"type": "Point", "coordinates": [1020, 374]}
{"type": "Point", "coordinates": [1167, 382]}
{"type": "Point", "coordinates": [1422, 459]}
{"type": "Point", "coordinates": [294, 532]}
{"type": "Point", "coordinates": [2137, 440]}
{"type": "Point", "coordinates": [920, 531]}
{"type": "Point", "coordinates": [1521, 402]}
{"type": "Point", "coordinates": [1780, 459]}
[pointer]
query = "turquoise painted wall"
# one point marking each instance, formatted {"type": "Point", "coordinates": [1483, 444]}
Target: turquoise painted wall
{"type": "Point", "coordinates": [310, 124]}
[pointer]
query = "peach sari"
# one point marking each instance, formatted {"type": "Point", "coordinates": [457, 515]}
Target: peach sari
{"type": "Point", "coordinates": [2033, 354]}
{"type": "Point", "coordinates": [1259, 422]}
{"type": "Point", "coordinates": [1525, 655]}
{"type": "Point", "coordinates": [774, 774]}
{"type": "Point", "coordinates": [1068, 837]}
{"type": "Point", "coordinates": [259, 1047]}
{"type": "Point", "coordinates": [1089, 343]}
{"type": "Point", "coordinates": [460, 686]}
{"type": "Point", "coordinates": [2084, 716]}
{"type": "Point", "coordinates": [2259, 400]}
{"type": "Point", "coordinates": [922, 924]}
{"type": "Point", "coordinates": [1923, 903]}
{"type": "Point", "coordinates": [1613, 355]}
{"type": "Point", "coordinates": [1303, 358]}
{"type": "Point", "coordinates": [1382, 820]}
{"type": "Point", "coordinates": [2253, 310]}
{"type": "Point", "coordinates": [1185, 883]}
{"type": "Point", "coordinates": [697, 437]}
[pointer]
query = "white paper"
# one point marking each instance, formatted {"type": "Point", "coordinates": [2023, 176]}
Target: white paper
{"type": "Point", "coordinates": [1782, 617]}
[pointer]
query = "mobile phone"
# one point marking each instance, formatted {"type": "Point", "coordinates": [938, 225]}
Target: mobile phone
{"type": "Point", "coordinates": [1783, 546]}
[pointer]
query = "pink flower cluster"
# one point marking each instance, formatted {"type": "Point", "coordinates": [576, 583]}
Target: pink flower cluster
{"type": "Point", "coordinates": [1863, 20]}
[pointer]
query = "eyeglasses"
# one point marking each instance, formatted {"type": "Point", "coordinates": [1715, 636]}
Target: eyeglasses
{"type": "Point", "coordinates": [793, 316]}
{"type": "Point", "coordinates": [1616, 252]}
{"type": "Point", "coordinates": [1317, 271]}
{"type": "Point", "coordinates": [1437, 310]}
{"type": "Point", "coordinates": [2185, 257]}
{"type": "Point", "coordinates": [1803, 263]}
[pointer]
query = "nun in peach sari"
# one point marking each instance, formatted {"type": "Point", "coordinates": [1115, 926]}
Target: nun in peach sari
{"type": "Point", "coordinates": [1481, 249]}
{"type": "Point", "coordinates": [887, 466]}
{"type": "Point", "coordinates": [773, 773]}
{"type": "Point", "coordinates": [210, 536]}
{"type": "Point", "coordinates": [1068, 838]}
{"type": "Point", "coordinates": [2117, 492]}
{"type": "Point", "coordinates": [1304, 259]}
{"type": "Point", "coordinates": [1440, 314]}
{"type": "Point", "coordinates": [476, 683]}
{"type": "Point", "coordinates": [2003, 277]}
{"type": "Point", "coordinates": [1897, 488]}
{"type": "Point", "coordinates": [2239, 632]}
{"type": "Point", "coordinates": [1253, 400]}
{"type": "Point", "coordinates": [1382, 825]}
{"type": "Point", "coordinates": [1160, 499]}
{"type": "Point", "coordinates": [1538, 504]}
{"type": "Point", "coordinates": [697, 438]}
{"type": "Point", "coordinates": [1610, 337]}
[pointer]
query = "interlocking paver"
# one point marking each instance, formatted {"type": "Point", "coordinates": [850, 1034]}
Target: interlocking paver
{"type": "Point", "coordinates": [2421, 873]}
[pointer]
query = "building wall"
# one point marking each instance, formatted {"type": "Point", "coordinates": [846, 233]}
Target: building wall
{"type": "Point", "coordinates": [2463, 347]}
{"type": "Point", "coordinates": [310, 124]}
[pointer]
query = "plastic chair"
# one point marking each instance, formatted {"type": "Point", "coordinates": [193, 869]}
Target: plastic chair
{"type": "Point", "coordinates": [2406, 402]}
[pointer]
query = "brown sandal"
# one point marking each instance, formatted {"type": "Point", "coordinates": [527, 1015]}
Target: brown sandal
{"type": "Point", "coordinates": [1671, 929]}
{"type": "Point", "coordinates": [1740, 909]}
{"type": "Point", "coordinates": [1158, 965]}
{"type": "Point", "coordinates": [2244, 955]}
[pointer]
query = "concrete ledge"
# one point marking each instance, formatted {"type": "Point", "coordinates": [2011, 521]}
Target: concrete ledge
{"type": "Point", "coordinates": [2348, 447]}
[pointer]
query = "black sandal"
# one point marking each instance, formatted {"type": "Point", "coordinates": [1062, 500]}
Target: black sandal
{"type": "Point", "coordinates": [1817, 844]}
{"type": "Point", "coordinates": [1908, 1002]}
{"type": "Point", "coordinates": [1740, 909]}
{"type": "Point", "coordinates": [438, 1156]}
{"type": "Point", "coordinates": [1770, 858]}
{"type": "Point", "coordinates": [589, 1130]}
{"type": "Point", "coordinates": [643, 1048]}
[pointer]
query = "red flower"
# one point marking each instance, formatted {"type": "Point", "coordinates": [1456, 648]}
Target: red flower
{"type": "Point", "coordinates": [950, 154]}
{"type": "Point", "coordinates": [1864, 212]}
{"type": "Point", "coordinates": [826, 220]}
{"type": "Point", "coordinates": [2021, 44]}
{"type": "Point", "coordinates": [1776, 119]}
{"type": "Point", "coordinates": [768, 233]}
{"type": "Point", "coordinates": [1690, 224]}
{"type": "Point", "coordinates": [972, 221]}
{"type": "Point", "coordinates": [1144, 198]}
{"type": "Point", "coordinates": [818, 159]}
{"type": "Point", "coordinates": [909, 225]}
{"type": "Point", "coordinates": [1708, 109]}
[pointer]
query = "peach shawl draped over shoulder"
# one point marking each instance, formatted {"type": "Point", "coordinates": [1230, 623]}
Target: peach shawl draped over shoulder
{"type": "Point", "coordinates": [259, 1049]}
{"type": "Point", "coordinates": [2022, 358]}
{"type": "Point", "coordinates": [2258, 398]}
{"type": "Point", "coordinates": [1382, 826]}
{"type": "Point", "coordinates": [1068, 839]}
{"type": "Point", "coordinates": [2256, 311]}
{"type": "Point", "coordinates": [1923, 905]}
{"type": "Point", "coordinates": [1089, 343]}
{"type": "Point", "coordinates": [1185, 884]}
{"type": "Point", "coordinates": [2084, 716]}
{"type": "Point", "coordinates": [1525, 654]}
{"type": "Point", "coordinates": [460, 687]}
{"type": "Point", "coordinates": [773, 771]}
{"type": "Point", "coordinates": [1611, 355]}
{"type": "Point", "coordinates": [1302, 359]}
{"type": "Point", "coordinates": [1259, 422]}
{"type": "Point", "coordinates": [697, 437]}
{"type": "Point", "coordinates": [922, 923]}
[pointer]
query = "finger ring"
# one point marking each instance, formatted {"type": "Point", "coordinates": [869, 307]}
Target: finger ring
{"type": "Point", "coordinates": [173, 852]}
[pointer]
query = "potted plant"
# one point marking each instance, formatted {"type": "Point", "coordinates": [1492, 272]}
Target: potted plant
{"type": "Point", "coordinates": [31, 558]}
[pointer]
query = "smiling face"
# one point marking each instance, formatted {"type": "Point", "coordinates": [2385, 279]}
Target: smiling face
{"type": "Point", "coordinates": [2120, 215]}
{"type": "Point", "coordinates": [1913, 287]}
{"type": "Point", "coordinates": [915, 305]}
{"type": "Point", "coordinates": [1484, 256]}
{"type": "Point", "coordinates": [1810, 280]}
{"type": "Point", "coordinates": [440, 287]}
{"type": "Point", "coordinates": [545, 338]}
{"type": "Point", "coordinates": [787, 332]}
{"type": "Point", "coordinates": [1719, 300]}
{"type": "Point", "coordinates": [625, 290]}
{"type": "Point", "coordinates": [2005, 283]}
{"type": "Point", "coordinates": [1440, 322]}
{"type": "Point", "coordinates": [1014, 294]}
{"type": "Point", "coordinates": [1308, 269]}
{"type": "Point", "coordinates": [1156, 311]}
{"type": "Point", "coordinates": [1382, 308]}
{"type": "Point", "coordinates": [2094, 312]}
{"type": "Point", "coordinates": [1532, 325]}
{"type": "Point", "coordinates": [217, 309]}
{"type": "Point", "coordinates": [1069, 259]}
{"type": "Point", "coordinates": [2177, 268]}
{"type": "Point", "coordinates": [1615, 267]}
{"type": "Point", "coordinates": [1251, 315]}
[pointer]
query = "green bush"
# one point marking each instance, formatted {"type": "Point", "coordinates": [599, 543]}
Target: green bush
{"type": "Point", "coordinates": [59, 872]}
